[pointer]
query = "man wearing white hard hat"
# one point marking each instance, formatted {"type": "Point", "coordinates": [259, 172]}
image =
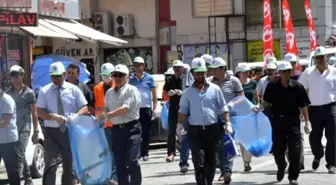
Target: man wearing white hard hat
{"type": "Point", "coordinates": [286, 98]}
{"type": "Point", "coordinates": [99, 95]}
{"type": "Point", "coordinates": [122, 103]}
{"type": "Point", "coordinates": [26, 114]}
{"type": "Point", "coordinates": [294, 60]}
{"type": "Point", "coordinates": [319, 81]}
{"type": "Point", "coordinates": [204, 132]}
{"type": "Point", "coordinates": [231, 88]}
{"type": "Point", "coordinates": [271, 75]}
{"type": "Point", "coordinates": [208, 60]}
{"type": "Point", "coordinates": [145, 84]}
{"type": "Point", "coordinates": [173, 87]}
{"type": "Point", "coordinates": [57, 102]}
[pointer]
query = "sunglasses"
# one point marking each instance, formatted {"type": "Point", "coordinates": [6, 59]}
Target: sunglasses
{"type": "Point", "coordinates": [119, 75]}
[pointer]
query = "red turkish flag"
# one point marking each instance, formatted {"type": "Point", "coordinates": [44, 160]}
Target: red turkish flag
{"type": "Point", "coordinates": [291, 46]}
{"type": "Point", "coordinates": [311, 25]}
{"type": "Point", "coordinates": [267, 31]}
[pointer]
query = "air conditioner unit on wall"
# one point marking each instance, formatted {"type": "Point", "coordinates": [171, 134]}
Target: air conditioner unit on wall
{"type": "Point", "coordinates": [103, 22]}
{"type": "Point", "coordinates": [123, 25]}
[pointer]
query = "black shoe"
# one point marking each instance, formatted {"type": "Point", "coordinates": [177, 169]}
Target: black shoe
{"type": "Point", "coordinates": [247, 167]}
{"type": "Point", "coordinates": [331, 170]}
{"type": "Point", "coordinates": [293, 182]}
{"type": "Point", "coordinates": [29, 182]}
{"type": "Point", "coordinates": [302, 167]}
{"type": "Point", "coordinates": [184, 169]}
{"type": "Point", "coordinates": [316, 164]}
{"type": "Point", "coordinates": [281, 173]}
{"type": "Point", "coordinates": [227, 178]}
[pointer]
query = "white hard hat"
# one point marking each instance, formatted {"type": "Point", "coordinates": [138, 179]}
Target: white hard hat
{"type": "Point", "coordinates": [186, 67]}
{"type": "Point", "coordinates": [16, 68]}
{"type": "Point", "coordinates": [218, 62]}
{"type": "Point", "coordinates": [121, 68]}
{"type": "Point", "coordinates": [170, 71]}
{"type": "Point", "coordinates": [177, 63]}
{"type": "Point", "coordinates": [320, 51]}
{"type": "Point", "coordinates": [229, 72]}
{"type": "Point", "coordinates": [271, 59]}
{"type": "Point", "coordinates": [106, 69]}
{"type": "Point", "coordinates": [291, 57]}
{"type": "Point", "coordinates": [198, 65]}
{"type": "Point", "coordinates": [56, 68]}
{"type": "Point", "coordinates": [243, 68]}
{"type": "Point", "coordinates": [271, 66]}
{"type": "Point", "coordinates": [284, 65]}
{"type": "Point", "coordinates": [208, 58]}
{"type": "Point", "coordinates": [139, 60]}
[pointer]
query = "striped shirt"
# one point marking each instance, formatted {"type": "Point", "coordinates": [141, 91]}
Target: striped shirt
{"type": "Point", "coordinates": [230, 87]}
{"type": "Point", "coordinates": [127, 96]}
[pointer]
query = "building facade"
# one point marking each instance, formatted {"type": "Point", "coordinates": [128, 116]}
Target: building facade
{"type": "Point", "coordinates": [237, 40]}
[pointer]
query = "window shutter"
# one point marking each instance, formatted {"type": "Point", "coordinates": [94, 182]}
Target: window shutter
{"type": "Point", "coordinates": [205, 8]}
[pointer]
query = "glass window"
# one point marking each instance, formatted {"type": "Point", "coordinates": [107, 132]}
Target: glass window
{"type": "Point", "coordinates": [205, 8]}
{"type": "Point", "coordinates": [255, 11]}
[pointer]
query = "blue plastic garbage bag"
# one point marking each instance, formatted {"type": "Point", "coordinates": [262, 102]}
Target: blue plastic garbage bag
{"type": "Point", "coordinates": [230, 147]}
{"type": "Point", "coordinates": [90, 152]}
{"type": "Point", "coordinates": [241, 106]}
{"type": "Point", "coordinates": [254, 132]}
{"type": "Point", "coordinates": [164, 115]}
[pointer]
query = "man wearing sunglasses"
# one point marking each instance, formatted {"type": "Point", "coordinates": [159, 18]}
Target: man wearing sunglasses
{"type": "Point", "coordinates": [122, 103]}
{"type": "Point", "coordinates": [26, 114]}
{"type": "Point", "coordinates": [286, 99]}
{"type": "Point", "coordinates": [173, 87]}
{"type": "Point", "coordinates": [145, 83]}
{"type": "Point", "coordinates": [57, 102]}
{"type": "Point", "coordinates": [319, 81]}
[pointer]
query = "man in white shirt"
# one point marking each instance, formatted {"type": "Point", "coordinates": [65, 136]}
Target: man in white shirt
{"type": "Point", "coordinates": [320, 83]}
{"type": "Point", "coordinates": [122, 104]}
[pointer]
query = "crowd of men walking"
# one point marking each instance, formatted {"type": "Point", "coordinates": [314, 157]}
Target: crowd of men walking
{"type": "Point", "coordinates": [200, 99]}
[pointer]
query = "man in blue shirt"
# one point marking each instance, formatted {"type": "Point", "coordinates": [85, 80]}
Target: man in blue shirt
{"type": "Point", "coordinates": [57, 102]}
{"type": "Point", "coordinates": [145, 84]}
{"type": "Point", "coordinates": [9, 137]}
{"type": "Point", "coordinates": [205, 102]}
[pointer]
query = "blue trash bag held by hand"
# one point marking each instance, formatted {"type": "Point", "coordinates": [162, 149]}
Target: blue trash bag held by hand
{"type": "Point", "coordinates": [254, 132]}
{"type": "Point", "coordinates": [240, 106]}
{"type": "Point", "coordinates": [230, 148]}
{"type": "Point", "coordinates": [90, 152]}
{"type": "Point", "coordinates": [164, 115]}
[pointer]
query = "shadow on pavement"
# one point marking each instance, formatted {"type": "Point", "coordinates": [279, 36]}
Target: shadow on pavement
{"type": "Point", "coordinates": [4, 182]}
{"type": "Point", "coordinates": [232, 183]}
{"type": "Point", "coordinates": [169, 174]}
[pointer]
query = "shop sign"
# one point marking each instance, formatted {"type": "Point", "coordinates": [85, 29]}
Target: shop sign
{"type": "Point", "coordinates": [18, 19]}
{"type": "Point", "coordinates": [76, 52]}
{"type": "Point", "coordinates": [15, 3]}
{"type": "Point", "coordinates": [52, 8]}
{"type": "Point", "coordinates": [255, 50]}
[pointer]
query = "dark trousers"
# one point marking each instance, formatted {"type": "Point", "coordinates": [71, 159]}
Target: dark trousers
{"type": "Point", "coordinates": [21, 148]}
{"type": "Point", "coordinates": [55, 143]}
{"type": "Point", "coordinates": [204, 143]}
{"type": "Point", "coordinates": [185, 147]}
{"type": "Point", "coordinates": [146, 123]}
{"type": "Point", "coordinates": [286, 133]}
{"type": "Point", "coordinates": [225, 165]}
{"type": "Point", "coordinates": [323, 118]}
{"type": "Point", "coordinates": [108, 135]}
{"type": "Point", "coordinates": [172, 124]}
{"type": "Point", "coordinates": [126, 139]}
{"type": "Point", "coordinates": [8, 154]}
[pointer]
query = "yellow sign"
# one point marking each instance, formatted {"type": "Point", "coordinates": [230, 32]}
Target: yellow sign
{"type": "Point", "coordinates": [255, 50]}
{"type": "Point", "coordinates": [38, 51]}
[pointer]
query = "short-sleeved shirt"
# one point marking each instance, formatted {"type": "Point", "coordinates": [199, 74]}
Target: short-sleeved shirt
{"type": "Point", "coordinates": [127, 96]}
{"type": "Point", "coordinates": [72, 99]}
{"type": "Point", "coordinates": [204, 107]}
{"type": "Point", "coordinates": [230, 88]}
{"type": "Point", "coordinates": [249, 90]}
{"type": "Point", "coordinates": [7, 106]}
{"type": "Point", "coordinates": [262, 84]}
{"type": "Point", "coordinates": [286, 101]}
{"type": "Point", "coordinates": [321, 88]}
{"type": "Point", "coordinates": [188, 80]}
{"type": "Point", "coordinates": [23, 100]}
{"type": "Point", "coordinates": [173, 83]}
{"type": "Point", "coordinates": [144, 85]}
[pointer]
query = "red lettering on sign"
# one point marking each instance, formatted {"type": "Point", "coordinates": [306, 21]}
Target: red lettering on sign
{"type": "Point", "coordinates": [16, 3]}
{"type": "Point", "coordinates": [18, 19]}
{"type": "Point", "coordinates": [52, 8]}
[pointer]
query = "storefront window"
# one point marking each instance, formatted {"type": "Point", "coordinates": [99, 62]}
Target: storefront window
{"type": "Point", "coordinates": [10, 54]}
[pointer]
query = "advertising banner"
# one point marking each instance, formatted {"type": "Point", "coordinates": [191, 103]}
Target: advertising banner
{"type": "Point", "coordinates": [255, 50]}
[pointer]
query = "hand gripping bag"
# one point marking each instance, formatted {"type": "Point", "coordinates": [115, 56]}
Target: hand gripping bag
{"type": "Point", "coordinates": [252, 130]}
{"type": "Point", "coordinates": [164, 115]}
{"type": "Point", "coordinates": [90, 152]}
{"type": "Point", "coordinates": [230, 148]}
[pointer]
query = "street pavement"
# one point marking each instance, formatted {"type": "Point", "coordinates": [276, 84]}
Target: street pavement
{"type": "Point", "coordinates": [157, 171]}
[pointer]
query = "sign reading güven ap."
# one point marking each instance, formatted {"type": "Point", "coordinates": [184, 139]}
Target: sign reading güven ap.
{"type": "Point", "coordinates": [18, 19]}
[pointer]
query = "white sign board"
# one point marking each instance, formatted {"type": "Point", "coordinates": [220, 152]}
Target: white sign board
{"type": "Point", "coordinates": [303, 45]}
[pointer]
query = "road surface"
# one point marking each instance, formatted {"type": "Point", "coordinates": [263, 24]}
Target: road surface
{"type": "Point", "coordinates": [157, 172]}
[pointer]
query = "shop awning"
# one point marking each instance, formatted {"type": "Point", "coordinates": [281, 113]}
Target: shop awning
{"type": "Point", "coordinates": [84, 32]}
{"type": "Point", "coordinates": [45, 29]}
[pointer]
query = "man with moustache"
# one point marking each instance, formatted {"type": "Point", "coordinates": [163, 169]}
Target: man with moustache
{"type": "Point", "coordinates": [205, 102]}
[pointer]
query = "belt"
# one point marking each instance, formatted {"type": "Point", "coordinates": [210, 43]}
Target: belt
{"type": "Point", "coordinates": [203, 127]}
{"type": "Point", "coordinates": [127, 124]}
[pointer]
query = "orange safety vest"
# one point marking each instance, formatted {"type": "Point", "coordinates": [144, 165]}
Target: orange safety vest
{"type": "Point", "coordinates": [99, 101]}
